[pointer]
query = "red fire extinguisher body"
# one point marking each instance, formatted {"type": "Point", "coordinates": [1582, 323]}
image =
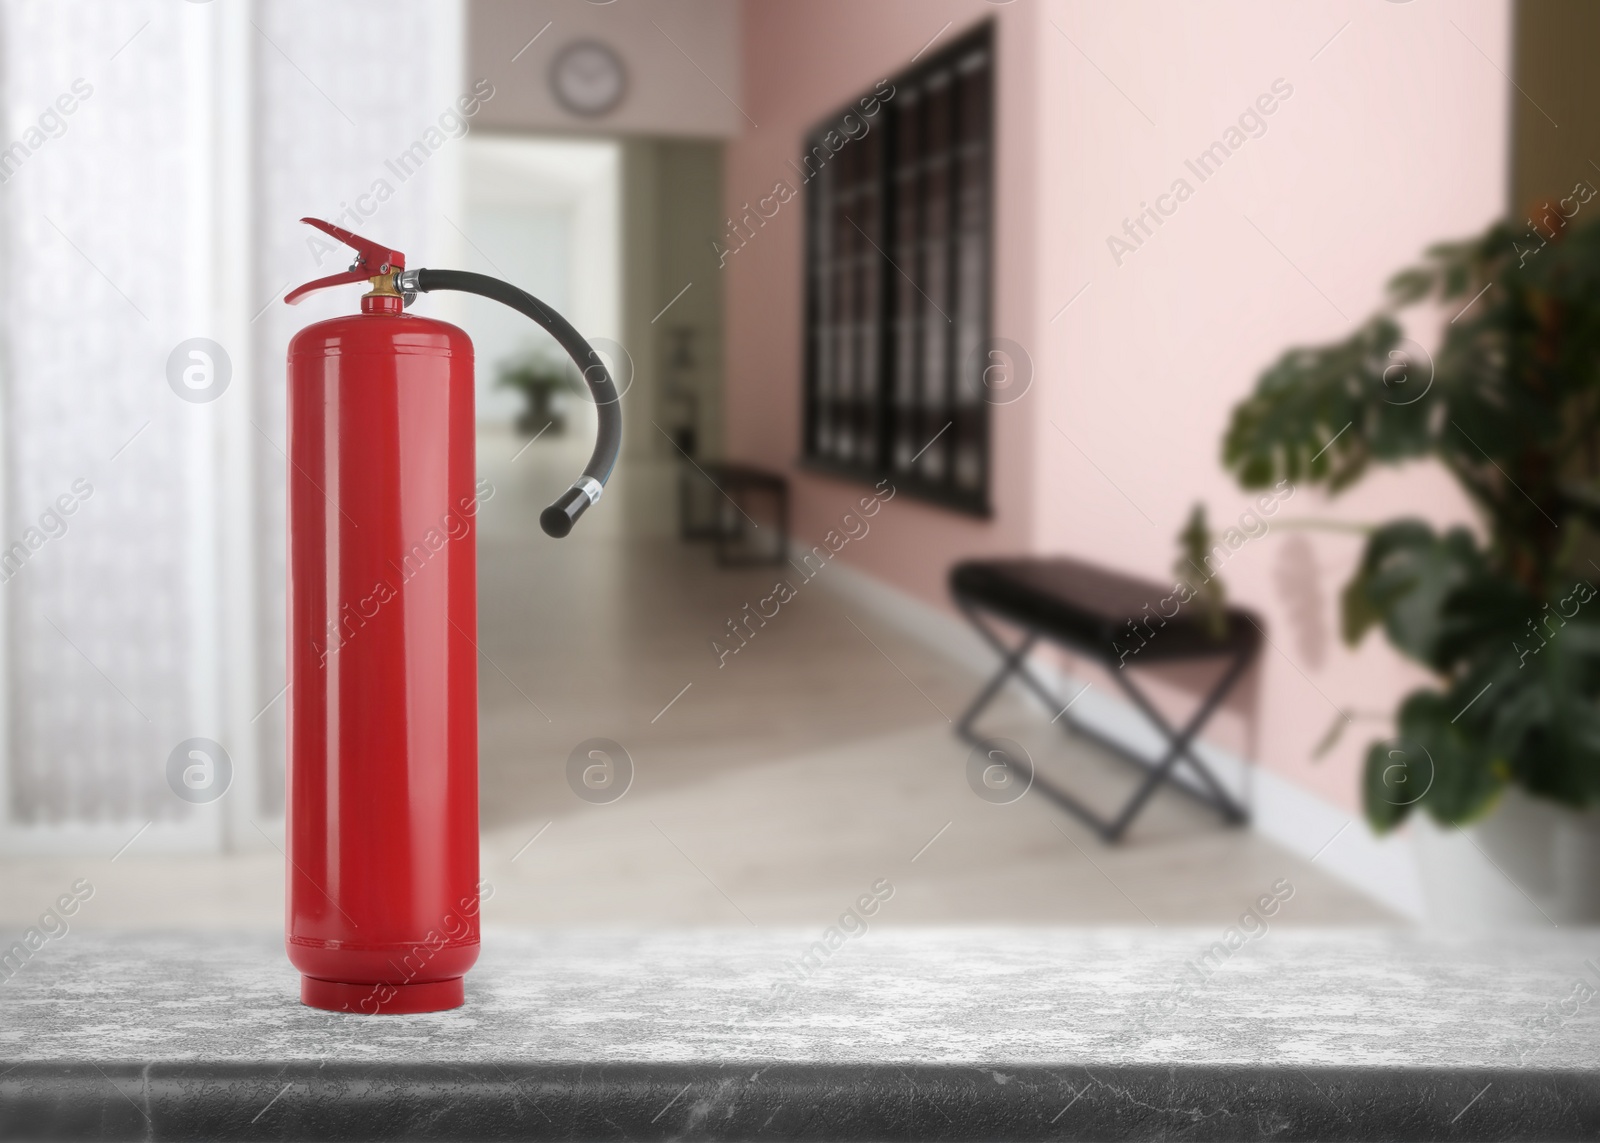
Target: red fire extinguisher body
{"type": "Point", "coordinates": [382, 703]}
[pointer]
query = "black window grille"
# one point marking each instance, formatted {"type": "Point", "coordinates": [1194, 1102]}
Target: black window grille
{"type": "Point", "coordinates": [899, 210]}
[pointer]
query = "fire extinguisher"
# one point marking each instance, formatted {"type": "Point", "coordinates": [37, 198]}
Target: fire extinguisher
{"type": "Point", "coordinates": [382, 796]}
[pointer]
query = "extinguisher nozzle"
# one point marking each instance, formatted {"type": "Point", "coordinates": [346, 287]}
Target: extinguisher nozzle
{"type": "Point", "coordinates": [558, 519]}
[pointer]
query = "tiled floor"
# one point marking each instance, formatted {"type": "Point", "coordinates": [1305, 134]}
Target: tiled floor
{"type": "Point", "coordinates": [772, 790]}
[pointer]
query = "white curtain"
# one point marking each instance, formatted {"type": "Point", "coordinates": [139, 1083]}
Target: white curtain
{"type": "Point", "coordinates": [155, 159]}
{"type": "Point", "coordinates": [99, 627]}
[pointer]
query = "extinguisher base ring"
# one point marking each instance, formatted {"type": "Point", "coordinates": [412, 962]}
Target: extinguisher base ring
{"type": "Point", "coordinates": [371, 999]}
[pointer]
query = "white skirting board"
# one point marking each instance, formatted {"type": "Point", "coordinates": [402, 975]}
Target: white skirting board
{"type": "Point", "coordinates": [1383, 868]}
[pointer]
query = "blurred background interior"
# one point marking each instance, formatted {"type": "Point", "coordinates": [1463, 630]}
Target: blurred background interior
{"type": "Point", "coordinates": [1003, 271]}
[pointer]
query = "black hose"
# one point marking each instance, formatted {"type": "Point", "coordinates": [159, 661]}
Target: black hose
{"type": "Point", "coordinates": [558, 519]}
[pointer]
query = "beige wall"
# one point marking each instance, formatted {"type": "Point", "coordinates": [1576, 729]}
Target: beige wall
{"type": "Point", "coordinates": [683, 98]}
{"type": "Point", "coordinates": [682, 61]}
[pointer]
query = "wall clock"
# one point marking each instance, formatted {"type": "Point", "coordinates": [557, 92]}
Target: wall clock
{"type": "Point", "coordinates": [588, 78]}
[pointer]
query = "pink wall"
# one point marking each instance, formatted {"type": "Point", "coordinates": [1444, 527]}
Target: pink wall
{"type": "Point", "coordinates": [803, 61]}
{"type": "Point", "coordinates": [1394, 135]}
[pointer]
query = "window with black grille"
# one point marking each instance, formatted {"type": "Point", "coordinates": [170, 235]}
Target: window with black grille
{"type": "Point", "coordinates": [898, 236]}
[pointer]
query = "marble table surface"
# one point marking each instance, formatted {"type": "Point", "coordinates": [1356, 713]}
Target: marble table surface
{"type": "Point", "coordinates": [895, 1034]}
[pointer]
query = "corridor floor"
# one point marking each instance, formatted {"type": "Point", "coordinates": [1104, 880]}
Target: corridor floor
{"type": "Point", "coordinates": [775, 789]}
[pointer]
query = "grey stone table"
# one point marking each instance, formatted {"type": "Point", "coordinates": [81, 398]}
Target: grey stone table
{"type": "Point", "coordinates": [897, 1034]}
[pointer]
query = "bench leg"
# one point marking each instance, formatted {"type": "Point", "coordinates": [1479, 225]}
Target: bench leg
{"type": "Point", "coordinates": [1180, 741]}
{"type": "Point", "coordinates": [1010, 666]}
{"type": "Point", "coordinates": [1179, 749]}
{"type": "Point", "coordinates": [1014, 661]}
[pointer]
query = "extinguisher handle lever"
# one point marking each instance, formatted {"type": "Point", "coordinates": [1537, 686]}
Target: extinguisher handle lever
{"type": "Point", "coordinates": [372, 260]}
{"type": "Point", "coordinates": [558, 519]}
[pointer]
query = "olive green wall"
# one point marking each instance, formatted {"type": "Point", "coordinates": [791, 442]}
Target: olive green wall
{"type": "Point", "coordinates": [671, 212]}
{"type": "Point", "coordinates": [1555, 118]}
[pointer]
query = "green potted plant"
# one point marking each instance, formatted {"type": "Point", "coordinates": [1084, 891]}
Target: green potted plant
{"type": "Point", "coordinates": [1503, 615]}
{"type": "Point", "coordinates": [538, 375]}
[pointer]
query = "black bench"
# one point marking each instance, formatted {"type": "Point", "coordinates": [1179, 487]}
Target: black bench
{"type": "Point", "coordinates": [1121, 622]}
{"type": "Point", "coordinates": [715, 501]}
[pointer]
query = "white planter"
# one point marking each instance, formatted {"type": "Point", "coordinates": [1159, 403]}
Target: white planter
{"type": "Point", "coordinates": [1576, 858]}
{"type": "Point", "coordinates": [1529, 863]}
